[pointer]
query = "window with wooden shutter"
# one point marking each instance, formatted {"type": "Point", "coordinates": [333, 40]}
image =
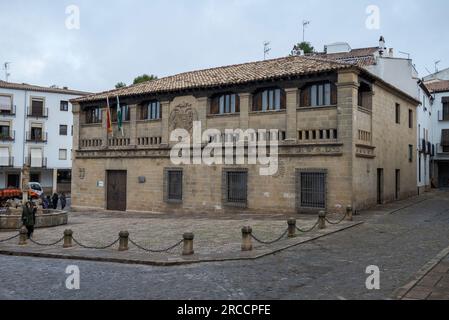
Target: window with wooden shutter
{"type": "Point", "coordinates": [319, 94]}
{"type": "Point", "coordinates": [225, 104]}
{"type": "Point", "coordinates": [270, 100]}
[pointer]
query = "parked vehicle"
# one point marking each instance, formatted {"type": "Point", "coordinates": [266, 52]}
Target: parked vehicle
{"type": "Point", "coordinates": [34, 192]}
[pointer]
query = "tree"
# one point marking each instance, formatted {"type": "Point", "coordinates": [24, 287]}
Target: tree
{"type": "Point", "coordinates": [120, 85]}
{"type": "Point", "coordinates": [304, 46]}
{"type": "Point", "coordinates": [144, 78]}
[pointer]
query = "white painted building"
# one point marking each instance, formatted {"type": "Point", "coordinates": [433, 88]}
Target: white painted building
{"type": "Point", "coordinates": [440, 132]}
{"type": "Point", "coordinates": [401, 73]}
{"type": "Point", "coordinates": [36, 128]}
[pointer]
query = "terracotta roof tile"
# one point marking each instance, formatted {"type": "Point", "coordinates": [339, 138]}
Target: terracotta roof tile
{"type": "Point", "coordinates": [361, 57]}
{"type": "Point", "coordinates": [29, 87]}
{"type": "Point", "coordinates": [228, 75]}
{"type": "Point", "coordinates": [438, 86]}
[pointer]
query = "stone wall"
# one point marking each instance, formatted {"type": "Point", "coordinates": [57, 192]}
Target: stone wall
{"type": "Point", "coordinates": [351, 164]}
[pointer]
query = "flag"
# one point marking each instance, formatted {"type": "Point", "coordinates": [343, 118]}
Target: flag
{"type": "Point", "coordinates": [119, 117]}
{"type": "Point", "coordinates": [108, 118]}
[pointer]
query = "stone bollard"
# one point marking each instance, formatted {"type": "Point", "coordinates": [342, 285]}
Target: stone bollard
{"type": "Point", "coordinates": [322, 220]}
{"type": "Point", "coordinates": [123, 242]}
{"type": "Point", "coordinates": [23, 237]}
{"type": "Point", "coordinates": [247, 244]}
{"type": "Point", "coordinates": [349, 213]}
{"type": "Point", "coordinates": [291, 228]}
{"type": "Point", "coordinates": [68, 237]}
{"type": "Point", "coordinates": [187, 249]}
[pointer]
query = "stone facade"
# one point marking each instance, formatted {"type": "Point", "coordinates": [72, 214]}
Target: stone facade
{"type": "Point", "coordinates": [347, 142]}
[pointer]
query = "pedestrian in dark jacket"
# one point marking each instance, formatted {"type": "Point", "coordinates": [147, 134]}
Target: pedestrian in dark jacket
{"type": "Point", "coordinates": [55, 200]}
{"type": "Point", "coordinates": [63, 201]}
{"type": "Point", "coordinates": [29, 218]}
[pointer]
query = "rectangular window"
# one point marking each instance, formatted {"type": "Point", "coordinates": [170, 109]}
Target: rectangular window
{"type": "Point", "coordinates": [64, 106]}
{"type": "Point", "coordinates": [311, 189]}
{"type": "Point", "coordinates": [94, 115]}
{"type": "Point", "coordinates": [398, 113]}
{"type": "Point", "coordinates": [36, 134]}
{"type": "Point", "coordinates": [410, 119]}
{"type": "Point", "coordinates": [173, 185]}
{"type": "Point", "coordinates": [5, 132]}
{"type": "Point", "coordinates": [419, 169]}
{"type": "Point", "coordinates": [62, 130]}
{"type": "Point", "coordinates": [5, 104]}
{"type": "Point", "coordinates": [37, 107]}
{"type": "Point", "coordinates": [235, 187]}
{"type": "Point", "coordinates": [62, 154]}
{"type": "Point", "coordinates": [152, 111]}
{"type": "Point", "coordinates": [445, 111]}
{"type": "Point", "coordinates": [4, 157]}
{"type": "Point", "coordinates": [410, 153]}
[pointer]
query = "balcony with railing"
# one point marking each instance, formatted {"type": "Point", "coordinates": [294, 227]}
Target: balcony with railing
{"type": "Point", "coordinates": [36, 162]}
{"type": "Point", "coordinates": [7, 136]}
{"type": "Point", "coordinates": [37, 112]}
{"type": "Point", "coordinates": [6, 162]}
{"type": "Point", "coordinates": [36, 137]}
{"type": "Point", "coordinates": [10, 111]}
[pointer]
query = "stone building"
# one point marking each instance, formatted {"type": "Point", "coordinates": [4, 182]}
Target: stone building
{"type": "Point", "coordinates": [346, 138]}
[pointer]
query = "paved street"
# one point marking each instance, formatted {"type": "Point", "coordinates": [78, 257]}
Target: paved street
{"type": "Point", "coordinates": [329, 268]}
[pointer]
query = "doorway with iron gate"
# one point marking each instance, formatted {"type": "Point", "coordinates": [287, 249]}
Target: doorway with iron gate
{"type": "Point", "coordinates": [116, 190]}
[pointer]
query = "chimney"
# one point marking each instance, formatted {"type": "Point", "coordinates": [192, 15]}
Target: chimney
{"type": "Point", "coordinates": [391, 52]}
{"type": "Point", "coordinates": [382, 47]}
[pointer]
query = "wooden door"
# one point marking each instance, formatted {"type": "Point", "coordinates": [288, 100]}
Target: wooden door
{"type": "Point", "coordinates": [116, 190]}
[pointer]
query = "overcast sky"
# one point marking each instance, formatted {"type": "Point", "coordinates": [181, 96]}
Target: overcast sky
{"type": "Point", "coordinates": [118, 40]}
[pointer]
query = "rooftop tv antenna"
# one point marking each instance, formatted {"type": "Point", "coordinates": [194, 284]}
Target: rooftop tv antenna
{"type": "Point", "coordinates": [305, 23]}
{"type": "Point", "coordinates": [405, 53]}
{"type": "Point", "coordinates": [436, 65]}
{"type": "Point", "coordinates": [266, 49]}
{"type": "Point", "coordinates": [6, 68]}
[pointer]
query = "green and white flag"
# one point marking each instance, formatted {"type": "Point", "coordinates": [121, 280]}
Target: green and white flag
{"type": "Point", "coordinates": [119, 117]}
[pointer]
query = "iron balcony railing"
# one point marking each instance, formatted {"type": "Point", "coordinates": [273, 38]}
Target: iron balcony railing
{"type": "Point", "coordinates": [36, 137]}
{"type": "Point", "coordinates": [9, 112]}
{"type": "Point", "coordinates": [36, 162]}
{"type": "Point", "coordinates": [6, 162]}
{"type": "Point", "coordinates": [11, 136]}
{"type": "Point", "coordinates": [37, 112]}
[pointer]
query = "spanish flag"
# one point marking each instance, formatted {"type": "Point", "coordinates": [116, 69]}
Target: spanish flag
{"type": "Point", "coordinates": [108, 118]}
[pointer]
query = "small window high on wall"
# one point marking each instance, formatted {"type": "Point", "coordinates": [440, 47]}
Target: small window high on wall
{"type": "Point", "coordinates": [225, 104]}
{"type": "Point", "coordinates": [269, 100]}
{"type": "Point", "coordinates": [319, 94]}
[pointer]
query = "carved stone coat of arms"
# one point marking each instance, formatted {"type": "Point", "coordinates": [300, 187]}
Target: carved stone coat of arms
{"type": "Point", "coordinates": [182, 117]}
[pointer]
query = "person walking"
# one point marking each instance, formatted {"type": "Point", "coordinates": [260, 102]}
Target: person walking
{"type": "Point", "coordinates": [55, 200]}
{"type": "Point", "coordinates": [63, 201]}
{"type": "Point", "coordinates": [29, 217]}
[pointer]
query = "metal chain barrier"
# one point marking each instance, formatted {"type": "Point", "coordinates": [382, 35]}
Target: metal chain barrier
{"type": "Point", "coordinates": [338, 222]}
{"type": "Point", "coordinates": [95, 248]}
{"type": "Point", "coordinates": [155, 250]}
{"type": "Point", "coordinates": [308, 230]}
{"type": "Point", "coordinates": [9, 239]}
{"type": "Point", "coordinates": [270, 242]}
{"type": "Point", "coordinates": [46, 244]}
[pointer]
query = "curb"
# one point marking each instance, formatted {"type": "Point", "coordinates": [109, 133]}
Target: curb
{"type": "Point", "coordinates": [400, 293]}
{"type": "Point", "coordinates": [186, 261]}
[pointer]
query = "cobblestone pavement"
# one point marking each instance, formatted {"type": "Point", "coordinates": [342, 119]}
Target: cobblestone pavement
{"type": "Point", "coordinates": [214, 235]}
{"type": "Point", "coordinates": [332, 267]}
{"type": "Point", "coordinates": [432, 282]}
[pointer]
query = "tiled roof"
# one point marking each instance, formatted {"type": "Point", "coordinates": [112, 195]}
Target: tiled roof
{"type": "Point", "coordinates": [228, 75]}
{"type": "Point", "coordinates": [438, 86]}
{"type": "Point", "coordinates": [29, 87]}
{"type": "Point", "coordinates": [361, 57]}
